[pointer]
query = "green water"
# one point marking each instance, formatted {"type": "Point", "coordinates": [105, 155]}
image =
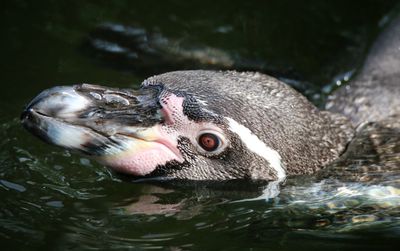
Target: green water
{"type": "Point", "coordinates": [54, 200]}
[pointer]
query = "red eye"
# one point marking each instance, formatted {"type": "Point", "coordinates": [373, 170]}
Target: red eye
{"type": "Point", "coordinates": [209, 142]}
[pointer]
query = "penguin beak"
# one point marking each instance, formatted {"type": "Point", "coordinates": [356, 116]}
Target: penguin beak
{"type": "Point", "coordinates": [111, 125]}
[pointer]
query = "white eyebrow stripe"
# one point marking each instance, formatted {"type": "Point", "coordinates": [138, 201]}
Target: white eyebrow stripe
{"type": "Point", "coordinates": [254, 144]}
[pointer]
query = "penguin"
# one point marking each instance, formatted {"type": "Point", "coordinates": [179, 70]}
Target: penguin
{"type": "Point", "coordinates": [218, 125]}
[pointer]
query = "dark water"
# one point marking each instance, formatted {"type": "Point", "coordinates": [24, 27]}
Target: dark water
{"type": "Point", "coordinates": [53, 200]}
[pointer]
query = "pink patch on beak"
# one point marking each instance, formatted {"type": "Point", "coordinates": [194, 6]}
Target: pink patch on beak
{"type": "Point", "coordinates": [143, 161]}
{"type": "Point", "coordinates": [159, 148]}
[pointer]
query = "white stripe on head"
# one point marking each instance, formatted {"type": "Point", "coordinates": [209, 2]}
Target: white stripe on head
{"type": "Point", "coordinates": [254, 144]}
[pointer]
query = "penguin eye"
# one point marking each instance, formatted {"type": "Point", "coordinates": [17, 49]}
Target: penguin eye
{"type": "Point", "coordinates": [209, 141]}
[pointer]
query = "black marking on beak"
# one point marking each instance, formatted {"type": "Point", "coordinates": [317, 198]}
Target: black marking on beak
{"type": "Point", "coordinates": [122, 106]}
{"type": "Point", "coordinates": [100, 118]}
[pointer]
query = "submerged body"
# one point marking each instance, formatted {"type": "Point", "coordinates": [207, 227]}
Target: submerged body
{"type": "Point", "coordinates": [374, 93]}
{"type": "Point", "coordinates": [207, 125]}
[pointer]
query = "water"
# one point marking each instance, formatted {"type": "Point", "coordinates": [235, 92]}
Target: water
{"type": "Point", "coordinates": [54, 200]}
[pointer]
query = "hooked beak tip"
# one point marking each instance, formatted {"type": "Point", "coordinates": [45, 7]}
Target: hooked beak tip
{"type": "Point", "coordinates": [58, 101]}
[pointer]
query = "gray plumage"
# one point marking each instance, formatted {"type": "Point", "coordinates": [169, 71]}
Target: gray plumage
{"type": "Point", "coordinates": [306, 138]}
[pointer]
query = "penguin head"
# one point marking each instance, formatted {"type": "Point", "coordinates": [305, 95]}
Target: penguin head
{"type": "Point", "coordinates": [196, 125]}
